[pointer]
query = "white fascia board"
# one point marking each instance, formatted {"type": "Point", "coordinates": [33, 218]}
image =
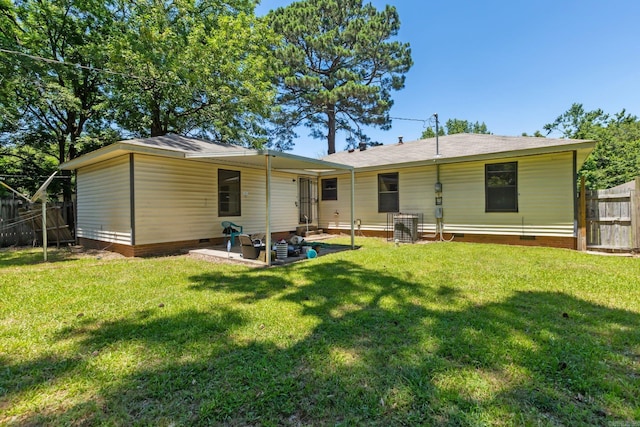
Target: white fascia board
{"type": "Point", "coordinates": [219, 154]}
{"type": "Point", "coordinates": [115, 150]}
{"type": "Point", "coordinates": [322, 164]}
{"type": "Point", "coordinates": [304, 163]}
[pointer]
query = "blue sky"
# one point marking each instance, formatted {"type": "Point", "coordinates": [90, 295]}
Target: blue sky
{"type": "Point", "coordinates": [513, 64]}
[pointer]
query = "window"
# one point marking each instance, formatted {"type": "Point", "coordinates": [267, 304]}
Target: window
{"type": "Point", "coordinates": [330, 189]}
{"type": "Point", "coordinates": [388, 195]}
{"type": "Point", "coordinates": [228, 193]}
{"type": "Point", "coordinates": [501, 187]}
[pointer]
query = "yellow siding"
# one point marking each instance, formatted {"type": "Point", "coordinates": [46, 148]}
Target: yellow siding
{"type": "Point", "coordinates": [545, 200]}
{"type": "Point", "coordinates": [284, 194]}
{"type": "Point", "coordinates": [174, 200]}
{"type": "Point", "coordinates": [284, 206]}
{"type": "Point", "coordinates": [103, 201]}
{"type": "Point", "coordinates": [327, 217]}
{"type": "Point", "coordinates": [415, 192]}
{"type": "Point", "coordinates": [178, 200]}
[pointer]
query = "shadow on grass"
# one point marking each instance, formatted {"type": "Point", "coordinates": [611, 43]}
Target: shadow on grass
{"type": "Point", "coordinates": [20, 257]}
{"type": "Point", "coordinates": [379, 354]}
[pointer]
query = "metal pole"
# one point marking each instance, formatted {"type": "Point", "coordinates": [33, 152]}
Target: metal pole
{"type": "Point", "coordinates": [437, 145]}
{"type": "Point", "coordinates": [353, 208]}
{"type": "Point", "coordinates": [268, 195]}
{"type": "Point", "coordinates": [15, 191]}
{"type": "Point", "coordinates": [44, 225]}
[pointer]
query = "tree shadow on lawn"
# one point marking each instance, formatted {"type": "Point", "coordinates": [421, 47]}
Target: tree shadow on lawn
{"type": "Point", "coordinates": [10, 257]}
{"type": "Point", "coordinates": [379, 354]}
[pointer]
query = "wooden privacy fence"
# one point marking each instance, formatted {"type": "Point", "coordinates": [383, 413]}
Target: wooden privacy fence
{"type": "Point", "coordinates": [613, 218]}
{"type": "Point", "coordinates": [14, 231]}
{"type": "Point", "coordinates": [21, 224]}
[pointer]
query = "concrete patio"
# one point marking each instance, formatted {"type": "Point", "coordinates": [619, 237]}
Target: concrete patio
{"type": "Point", "coordinates": [219, 253]}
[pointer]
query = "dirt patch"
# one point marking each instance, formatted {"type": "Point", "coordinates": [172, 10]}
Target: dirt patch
{"type": "Point", "coordinates": [93, 253]}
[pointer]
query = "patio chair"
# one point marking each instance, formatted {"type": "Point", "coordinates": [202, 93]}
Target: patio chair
{"type": "Point", "coordinates": [250, 248]}
{"type": "Point", "coordinates": [231, 229]}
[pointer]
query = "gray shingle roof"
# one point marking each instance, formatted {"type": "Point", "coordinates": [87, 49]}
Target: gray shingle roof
{"type": "Point", "coordinates": [181, 147]}
{"type": "Point", "coordinates": [185, 144]}
{"type": "Point", "coordinates": [457, 147]}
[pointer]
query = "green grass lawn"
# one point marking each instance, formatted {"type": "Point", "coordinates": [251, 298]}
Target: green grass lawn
{"type": "Point", "coordinates": [446, 333]}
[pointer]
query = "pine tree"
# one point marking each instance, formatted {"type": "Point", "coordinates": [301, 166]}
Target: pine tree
{"type": "Point", "coordinates": [338, 67]}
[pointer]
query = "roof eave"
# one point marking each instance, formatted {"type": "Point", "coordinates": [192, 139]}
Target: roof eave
{"type": "Point", "coordinates": [115, 150]}
{"type": "Point", "coordinates": [309, 162]}
{"type": "Point", "coordinates": [584, 147]}
{"type": "Point", "coordinates": [322, 164]}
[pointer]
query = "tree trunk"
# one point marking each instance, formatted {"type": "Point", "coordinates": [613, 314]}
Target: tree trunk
{"type": "Point", "coordinates": [62, 157]}
{"type": "Point", "coordinates": [331, 124]}
{"type": "Point", "coordinates": [157, 128]}
{"type": "Point", "coordinates": [156, 123]}
{"type": "Point", "coordinates": [67, 189]}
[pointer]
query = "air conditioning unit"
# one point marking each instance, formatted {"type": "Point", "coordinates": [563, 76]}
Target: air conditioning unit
{"type": "Point", "coordinates": [405, 228]}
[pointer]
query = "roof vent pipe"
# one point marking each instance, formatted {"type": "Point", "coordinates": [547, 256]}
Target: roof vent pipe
{"type": "Point", "coordinates": [362, 146]}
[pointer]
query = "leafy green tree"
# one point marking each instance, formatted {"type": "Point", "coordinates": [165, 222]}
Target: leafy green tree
{"type": "Point", "coordinates": [47, 101]}
{"type": "Point", "coordinates": [200, 67]}
{"type": "Point", "coordinates": [77, 74]}
{"type": "Point", "coordinates": [8, 38]}
{"type": "Point", "coordinates": [463, 126]}
{"type": "Point", "coordinates": [536, 134]}
{"type": "Point", "coordinates": [453, 126]}
{"type": "Point", "coordinates": [8, 23]}
{"type": "Point", "coordinates": [431, 133]}
{"type": "Point", "coordinates": [616, 157]}
{"type": "Point", "coordinates": [457, 126]}
{"type": "Point", "coordinates": [338, 67]}
{"type": "Point", "coordinates": [577, 123]}
{"type": "Point", "coordinates": [25, 168]}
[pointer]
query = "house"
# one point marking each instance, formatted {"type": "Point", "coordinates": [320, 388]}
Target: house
{"type": "Point", "coordinates": [466, 187]}
{"type": "Point", "coordinates": [163, 194]}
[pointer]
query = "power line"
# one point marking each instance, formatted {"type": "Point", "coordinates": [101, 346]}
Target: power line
{"type": "Point", "coordinates": [425, 122]}
{"type": "Point", "coordinates": [116, 73]}
{"type": "Point", "coordinates": [410, 120]}
{"type": "Point", "coordinates": [84, 67]}
{"type": "Point", "coordinates": [30, 176]}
